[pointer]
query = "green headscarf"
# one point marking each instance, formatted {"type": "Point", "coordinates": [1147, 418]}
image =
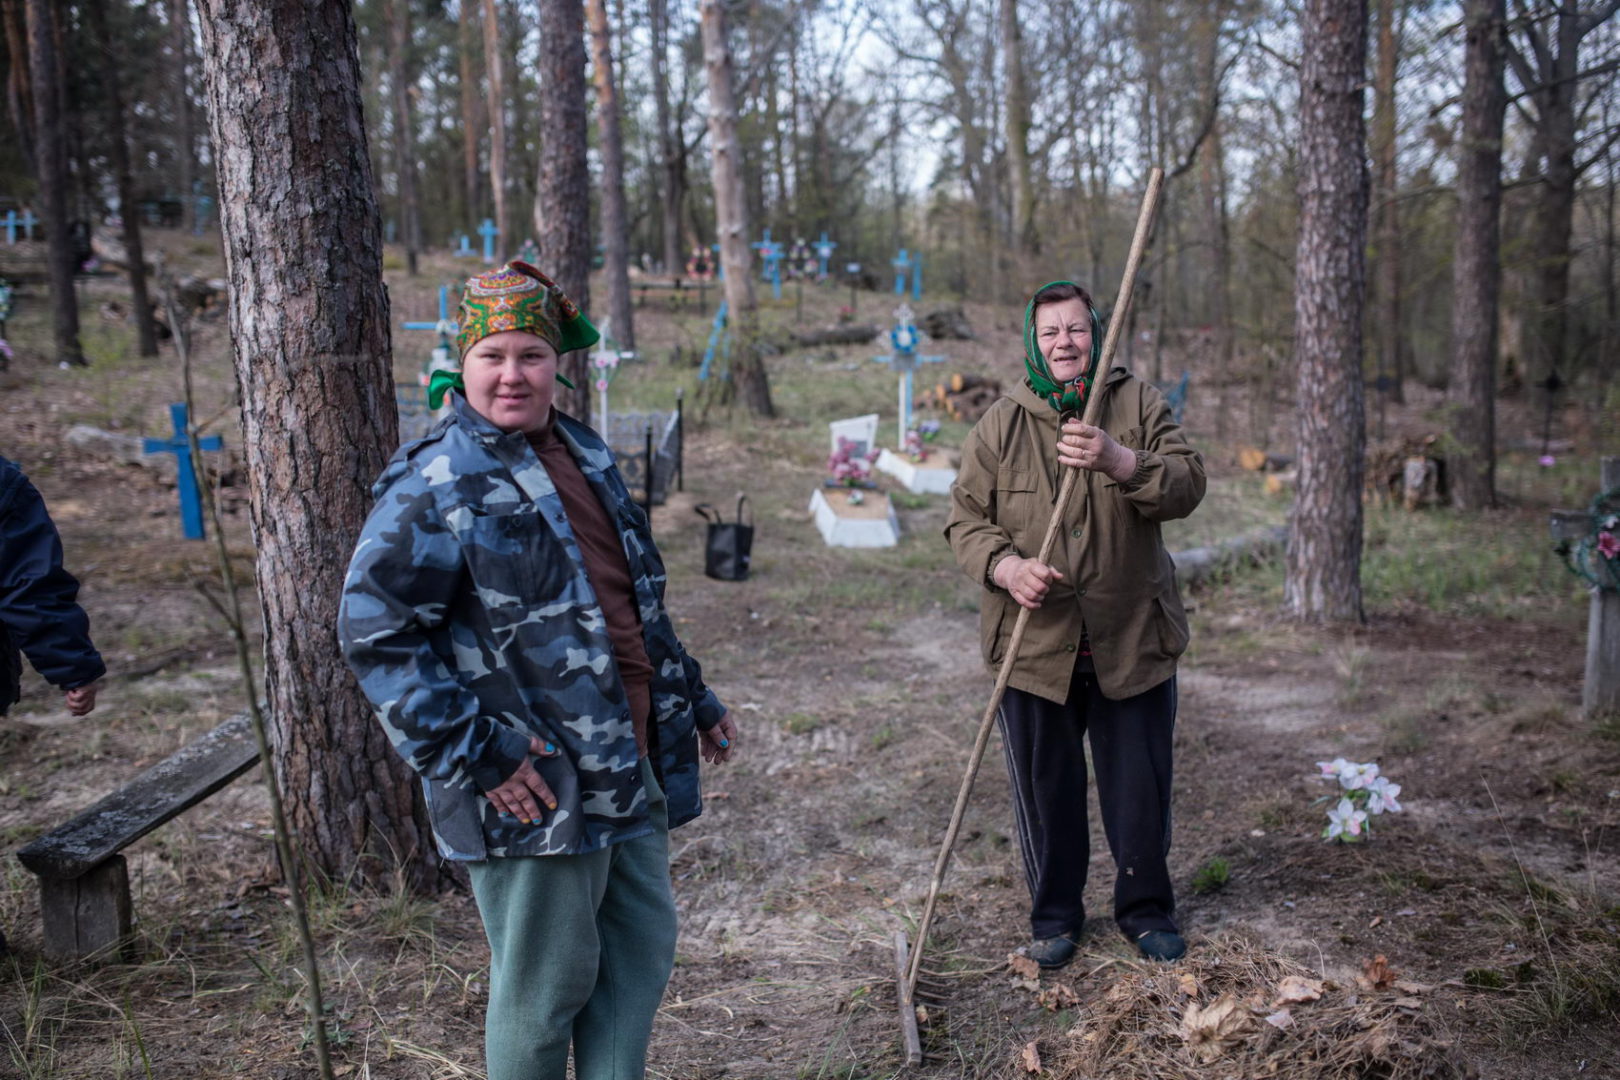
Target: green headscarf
{"type": "Point", "coordinates": [1064, 397]}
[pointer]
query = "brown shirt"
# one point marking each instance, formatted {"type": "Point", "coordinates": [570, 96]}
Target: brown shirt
{"type": "Point", "coordinates": [608, 571]}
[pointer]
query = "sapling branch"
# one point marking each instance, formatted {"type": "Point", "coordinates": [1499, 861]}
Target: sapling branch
{"type": "Point", "coordinates": [231, 611]}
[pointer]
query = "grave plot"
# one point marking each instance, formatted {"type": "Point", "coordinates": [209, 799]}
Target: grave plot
{"type": "Point", "coordinates": [923, 469]}
{"type": "Point", "coordinates": [848, 509]}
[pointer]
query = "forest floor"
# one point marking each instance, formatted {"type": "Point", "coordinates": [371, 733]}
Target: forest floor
{"type": "Point", "coordinates": [856, 679]}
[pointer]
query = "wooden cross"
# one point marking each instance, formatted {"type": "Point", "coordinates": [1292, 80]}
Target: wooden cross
{"type": "Point", "coordinates": [771, 252]}
{"type": "Point", "coordinates": [904, 359]}
{"type": "Point", "coordinates": [1601, 692]}
{"type": "Point", "coordinates": [824, 250]}
{"type": "Point", "coordinates": [489, 232]}
{"type": "Point", "coordinates": [902, 263]}
{"type": "Point", "coordinates": [179, 445]}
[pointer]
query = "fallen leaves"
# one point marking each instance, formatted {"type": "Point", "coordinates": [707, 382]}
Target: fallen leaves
{"type": "Point", "coordinates": [1030, 1059]}
{"type": "Point", "coordinates": [1188, 986]}
{"type": "Point", "coordinates": [1056, 997]}
{"type": "Point", "coordinates": [1023, 966]}
{"type": "Point", "coordinates": [1295, 989]}
{"type": "Point", "coordinates": [1376, 974]}
{"type": "Point", "coordinates": [1210, 1030]}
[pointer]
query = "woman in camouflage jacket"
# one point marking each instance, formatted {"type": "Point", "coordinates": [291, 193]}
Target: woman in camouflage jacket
{"type": "Point", "coordinates": [504, 613]}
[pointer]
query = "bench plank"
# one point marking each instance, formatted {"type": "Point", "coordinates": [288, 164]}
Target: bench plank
{"type": "Point", "coordinates": [164, 791]}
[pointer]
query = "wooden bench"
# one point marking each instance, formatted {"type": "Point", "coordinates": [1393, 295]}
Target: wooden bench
{"type": "Point", "coordinates": [84, 897]}
{"type": "Point", "coordinates": [679, 288]}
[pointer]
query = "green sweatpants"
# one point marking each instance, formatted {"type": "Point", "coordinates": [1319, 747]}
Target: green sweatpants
{"type": "Point", "coordinates": [581, 948]}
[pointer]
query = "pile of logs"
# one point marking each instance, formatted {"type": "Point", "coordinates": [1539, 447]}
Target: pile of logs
{"type": "Point", "coordinates": [962, 397]}
{"type": "Point", "coordinates": [1406, 471]}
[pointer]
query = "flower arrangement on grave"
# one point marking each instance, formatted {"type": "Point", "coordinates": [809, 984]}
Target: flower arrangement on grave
{"type": "Point", "coordinates": [6, 355]}
{"type": "Point", "coordinates": [848, 467]}
{"type": "Point", "coordinates": [1595, 557]}
{"type": "Point", "coordinates": [606, 363]}
{"type": "Point", "coordinates": [846, 313]}
{"type": "Point", "coordinates": [1363, 795]}
{"type": "Point", "coordinates": [925, 432]}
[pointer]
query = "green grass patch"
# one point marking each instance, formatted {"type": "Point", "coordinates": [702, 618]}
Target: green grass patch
{"type": "Point", "coordinates": [1212, 877]}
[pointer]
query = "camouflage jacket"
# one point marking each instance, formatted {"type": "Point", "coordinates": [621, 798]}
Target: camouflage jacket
{"type": "Point", "coordinates": [470, 623]}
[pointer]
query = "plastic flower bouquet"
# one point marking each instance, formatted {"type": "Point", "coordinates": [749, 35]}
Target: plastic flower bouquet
{"type": "Point", "coordinates": [1363, 794]}
{"type": "Point", "coordinates": [848, 467]}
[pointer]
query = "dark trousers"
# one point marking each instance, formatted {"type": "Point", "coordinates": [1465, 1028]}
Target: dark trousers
{"type": "Point", "coordinates": [1130, 753]}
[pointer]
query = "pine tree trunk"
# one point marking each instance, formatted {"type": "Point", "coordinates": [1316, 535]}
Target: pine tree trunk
{"type": "Point", "coordinates": [671, 170]}
{"type": "Point", "coordinates": [185, 138]}
{"type": "Point", "coordinates": [1324, 543]}
{"type": "Point", "coordinates": [1476, 267]}
{"type": "Point", "coordinates": [399, 74]}
{"type": "Point", "coordinates": [495, 66]}
{"type": "Point", "coordinates": [615, 235]}
{"type": "Point", "coordinates": [1214, 182]}
{"type": "Point", "coordinates": [731, 214]}
{"type": "Point", "coordinates": [19, 86]}
{"type": "Point", "coordinates": [1024, 239]}
{"type": "Point", "coordinates": [471, 120]}
{"type": "Point", "coordinates": [1386, 310]}
{"type": "Point", "coordinates": [562, 201]}
{"type": "Point", "coordinates": [309, 322]}
{"type": "Point", "coordinates": [129, 211]}
{"type": "Point", "coordinates": [51, 156]}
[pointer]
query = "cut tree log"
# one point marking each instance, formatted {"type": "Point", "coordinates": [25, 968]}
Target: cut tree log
{"type": "Point", "coordinates": [1257, 460]}
{"type": "Point", "coordinates": [1198, 564]}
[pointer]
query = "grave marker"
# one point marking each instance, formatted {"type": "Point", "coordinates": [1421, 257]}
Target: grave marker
{"type": "Point", "coordinates": [840, 518]}
{"type": "Point", "coordinates": [771, 253]}
{"type": "Point", "coordinates": [463, 251]}
{"type": "Point", "coordinates": [824, 250]}
{"type": "Point", "coordinates": [1589, 540]}
{"type": "Point", "coordinates": [930, 475]}
{"type": "Point", "coordinates": [489, 232]}
{"type": "Point", "coordinates": [191, 519]}
{"type": "Point", "coordinates": [415, 419]}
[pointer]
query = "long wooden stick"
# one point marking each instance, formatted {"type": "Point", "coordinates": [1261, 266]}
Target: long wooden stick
{"type": "Point", "coordinates": [1116, 326]}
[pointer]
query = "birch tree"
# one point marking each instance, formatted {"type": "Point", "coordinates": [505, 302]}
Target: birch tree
{"type": "Point", "coordinates": [731, 213]}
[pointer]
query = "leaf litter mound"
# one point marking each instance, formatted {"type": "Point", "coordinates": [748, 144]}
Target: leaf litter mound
{"type": "Point", "coordinates": [1232, 1009]}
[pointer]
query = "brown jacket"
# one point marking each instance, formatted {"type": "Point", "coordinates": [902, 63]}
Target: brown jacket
{"type": "Point", "coordinates": [1118, 581]}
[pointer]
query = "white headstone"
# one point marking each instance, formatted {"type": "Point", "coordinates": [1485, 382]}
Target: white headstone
{"type": "Point", "coordinates": [860, 430]}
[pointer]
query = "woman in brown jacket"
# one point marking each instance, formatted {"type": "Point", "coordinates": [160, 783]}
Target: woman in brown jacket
{"type": "Point", "coordinates": [1106, 622]}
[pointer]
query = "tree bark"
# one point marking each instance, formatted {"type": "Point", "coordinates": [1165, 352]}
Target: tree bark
{"type": "Point", "coordinates": [185, 138]}
{"type": "Point", "coordinates": [495, 66]}
{"type": "Point", "coordinates": [51, 157]}
{"type": "Point", "coordinates": [19, 80]}
{"type": "Point", "coordinates": [1386, 311]}
{"type": "Point", "coordinates": [1025, 242]}
{"type": "Point", "coordinates": [1324, 543]}
{"type": "Point", "coordinates": [309, 323]}
{"type": "Point", "coordinates": [118, 144]}
{"type": "Point", "coordinates": [1220, 235]}
{"type": "Point", "coordinates": [615, 231]}
{"type": "Point", "coordinates": [471, 120]}
{"type": "Point", "coordinates": [399, 74]}
{"type": "Point", "coordinates": [562, 202]}
{"type": "Point", "coordinates": [731, 214]}
{"type": "Point", "coordinates": [1476, 268]}
{"type": "Point", "coordinates": [671, 150]}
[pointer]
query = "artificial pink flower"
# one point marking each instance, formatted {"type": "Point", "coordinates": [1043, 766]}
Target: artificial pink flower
{"type": "Point", "coordinates": [1608, 544]}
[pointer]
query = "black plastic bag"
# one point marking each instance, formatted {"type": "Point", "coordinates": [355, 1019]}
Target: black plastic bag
{"type": "Point", "coordinates": [730, 546]}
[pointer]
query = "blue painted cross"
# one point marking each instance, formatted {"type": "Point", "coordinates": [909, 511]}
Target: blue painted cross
{"type": "Point", "coordinates": [902, 263]}
{"type": "Point", "coordinates": [24, 221]}
{"type": "Point", "coordinates": [904, 339]}
{"type": "Point", "coordinates": [464, 251]}
{"type": "Point", "coordinates": [191, 519]}
{"type": "Point", "coordinates": [489, 232]}
{"type": "Point", "coordinates": [719, 338]}
{"type": "Point", "coordinates": [824, 250]}
{"type": "Point", "coordinates": [771, 252]}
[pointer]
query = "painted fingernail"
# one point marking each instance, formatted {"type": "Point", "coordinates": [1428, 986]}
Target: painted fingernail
{"type": "Point", "coordinates": [725, 742]}
{"type": "Point", "coordinates": [551, 805]}
{"type": "Point", "coordinates": [550, 749]}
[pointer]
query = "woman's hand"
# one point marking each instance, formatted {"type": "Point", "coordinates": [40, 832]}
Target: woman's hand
{"type": "Point", "coordinates": [720, 741]}
{"type": "Point", "coordinates": [1081, 446]}
{"type": "Point", "coordinates": [1026, 579]}
{"type": "Point", "coordinates": [82, 700]}
{"type": "Point", "coordinates": [521, 793]}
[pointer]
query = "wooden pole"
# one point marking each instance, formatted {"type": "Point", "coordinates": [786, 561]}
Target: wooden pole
{"type": "Point", "coordinates": [1600, 694]}
{"type": "Point", "coordinates": [1116, 326]}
